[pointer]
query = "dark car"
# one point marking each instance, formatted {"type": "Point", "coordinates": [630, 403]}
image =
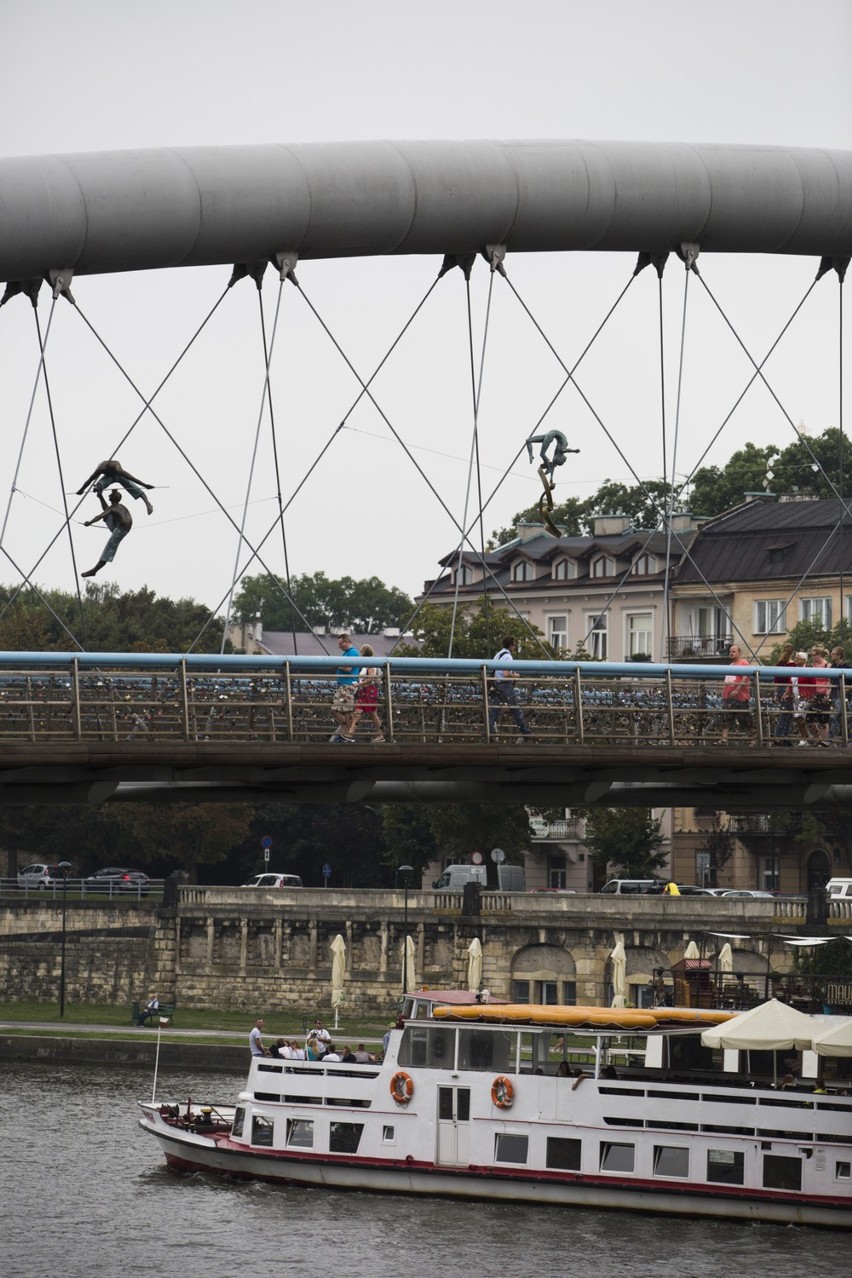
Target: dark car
{"type": "Point", "coordinates": [118, 879]}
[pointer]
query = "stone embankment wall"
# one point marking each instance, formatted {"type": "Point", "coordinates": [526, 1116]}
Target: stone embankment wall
{"type": "Point", "coordinates": [269, 952]}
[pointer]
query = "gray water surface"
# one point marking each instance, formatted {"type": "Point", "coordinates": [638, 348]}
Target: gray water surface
{"type": "Point", "coordinates": [84, 1192]}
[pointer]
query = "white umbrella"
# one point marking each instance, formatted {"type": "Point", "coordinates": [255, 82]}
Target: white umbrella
{"type": "Point", "coordinates": [725, 960]}
{"type": "Point", "coordinates": [338, 973]}
{"type": "Point", "coordinates": [474, 965]}
{"type": "Point", "coordinates": [834, 1042]}
{"type": "Point", "coordinates": [409, 978]}
{"type": "Point", "coordinates": [691, 951]}
{"type": "Point", "coordinates": [768, 1027]}
{"type": "Point", "coordinates": [618, 958]}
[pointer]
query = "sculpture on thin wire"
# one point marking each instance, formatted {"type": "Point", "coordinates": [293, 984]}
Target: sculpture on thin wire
{"type": "Point", "coordinates": [546, 468]}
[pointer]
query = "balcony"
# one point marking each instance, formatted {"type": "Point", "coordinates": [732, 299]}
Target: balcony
{"type": "Point", "coordinates": [705, 647]}
{"type": "Point", "coordinates": [556, 830]}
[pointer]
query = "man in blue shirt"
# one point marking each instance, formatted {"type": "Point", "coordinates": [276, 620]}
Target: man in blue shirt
{"type": "Point", "coordinates": [343, 701]}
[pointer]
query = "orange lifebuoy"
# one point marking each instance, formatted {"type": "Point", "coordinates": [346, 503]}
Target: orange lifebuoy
{"type": "Point", "coordinates": [502, 1091]}
{"type": "Point", "coordinates": [402, 1087]}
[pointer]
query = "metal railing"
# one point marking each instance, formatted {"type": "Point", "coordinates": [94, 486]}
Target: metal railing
{"type": "Point", "coordinates": [698, 646]}
{"type": "Point", "coordinates": [53, 698]}
{"type": "Point", "coordinates": [79, 889]}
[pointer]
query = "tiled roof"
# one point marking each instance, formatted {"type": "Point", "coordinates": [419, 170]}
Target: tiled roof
{"type": "Point", "coordinates": [768, 540]}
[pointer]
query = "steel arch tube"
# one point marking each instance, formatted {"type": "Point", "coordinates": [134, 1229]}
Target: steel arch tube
{"type": "Point", "coordinates": [139, 210]}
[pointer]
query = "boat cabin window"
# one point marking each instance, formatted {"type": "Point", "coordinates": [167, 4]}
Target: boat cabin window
{"type": "Point", "coordinates": [616, 1157]}
{"type": "Point", "coordinates": [671, 1160]}
{"type": "Point", "coordinates": [725, 1166]}
{"type": "Point", "coordinates": [300, 1133]}
{"type": "Point", "coordinates": [432, 1046]}
{"type": "Point", "coordinates": [842, 1170]}
{"type": "Point", "coordinates": [687, 1053]}
{"type": "Point", "coordinates": [239, 1120]}
{"type": "Point", "coordinates": [344, 1138]}
{"type": "Point", "coordinates": [781, 1172]}
{"type": "Point", "coordinates": [486, 1049]}
{"type": "Point", "coordinates": [261, 1130]}
{"type": "Point", "coordinates": [509, 1148]}
{"type": "Point", "coordinates": [564, 1153]}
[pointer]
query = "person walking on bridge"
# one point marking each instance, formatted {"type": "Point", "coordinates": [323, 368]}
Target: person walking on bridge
{"type": "Point", "coordinates": [503, 689]}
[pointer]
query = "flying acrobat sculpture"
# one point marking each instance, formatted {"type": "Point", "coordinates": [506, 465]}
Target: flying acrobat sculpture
{"type": "Point", "coordinates": [546, 469]}
{"type": "Point", "coordinates": [111, 471]}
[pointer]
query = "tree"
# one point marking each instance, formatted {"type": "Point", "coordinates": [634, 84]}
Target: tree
{"type": "Point", "coordinates": [644, 504]}
{"type": "Point", "coordinates": [477, 632]}
{"type": "Point", "coordinates": [624, 842]}
{"type": "Point", "coordinates": [719, 846]}
{"type": "Point", "coordinates": [367, 606]}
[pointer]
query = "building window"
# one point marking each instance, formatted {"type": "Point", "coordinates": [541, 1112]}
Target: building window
{"type": "Point", "coordinates": [712, 622]}
{"type": "Point", "coordinates": [770, 874]}
{"type": "Point", "coordinates": [816, 610]}
{"type": "Point", "coordinates": [557, 630]}
{"type": "Point", "coordinates": [596, 641]}
{"type": "Point", "coordinates": [639, 634]}
{"type": "Point", "coordinates": [564, 570]}
{"type": "Point", "coordinates": [465, 575]}
{"type": "Point", "coordinates": [557, 874]}
{"type": "Point", "coordinates": [523, 570]}
{"type": "Point", "coordinates": [546, 993]}
{"type": "Point", "coordinates": [603, 566]}
{"type": "Point", "coordinates": [644, 565]}
{"type": "Point", "coordinates": [520, 991]}
{"type": "Point", "coordinates": [770, 617]}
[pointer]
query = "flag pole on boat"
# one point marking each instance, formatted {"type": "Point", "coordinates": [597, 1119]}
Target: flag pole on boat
{"type": "Point", "coordinates": [161, 1021]}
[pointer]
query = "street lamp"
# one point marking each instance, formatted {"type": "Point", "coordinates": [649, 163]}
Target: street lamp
{"type": "Point", "coordinates": [406, 872]}
{"type": "Point", "coordinates": [63, 867]}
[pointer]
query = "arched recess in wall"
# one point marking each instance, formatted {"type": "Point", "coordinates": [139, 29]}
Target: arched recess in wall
{"type": "Point", "coordinates": [544, 974]}
{"type": "Point", "coordinates": [819, 869]}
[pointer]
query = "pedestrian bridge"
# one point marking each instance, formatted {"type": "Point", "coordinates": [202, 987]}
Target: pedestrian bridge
{"type": "Point", "coordinates": [157, 727]}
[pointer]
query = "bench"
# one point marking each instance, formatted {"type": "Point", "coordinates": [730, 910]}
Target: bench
{"type": "Point", "coordinates": [166, 1009]}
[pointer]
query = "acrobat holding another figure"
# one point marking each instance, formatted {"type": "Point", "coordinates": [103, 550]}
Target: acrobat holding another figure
{"type": "Point", "coordinates": [119, 522]}
{"type": "Point", "coordinates": [546, 468]}
{"type": "Point", "coordinates": [112, 472]}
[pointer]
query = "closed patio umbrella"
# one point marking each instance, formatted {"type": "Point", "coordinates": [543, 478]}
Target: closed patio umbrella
{"type": "Point", "coordinates": [691, 951]}
{"type": "Point", "coordinates": [618, 958]}
{"type": "Point", "coordinates": [409, 976]}
{"type": "Point", "coordinates": [725, 961]}
{"type": "Point", "coordinates": [474, 965]}
{"type": "Point", "coordinates": [338, 973]}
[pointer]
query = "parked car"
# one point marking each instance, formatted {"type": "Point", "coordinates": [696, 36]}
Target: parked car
{"type": "Point", "coordinates": [275, 880]}
{"type": "Point", "coordinates": [118, 879]}
{"type": "Point", "coordinates": [39, 875]}
{"type": "Point", "coordinates": [632, 887]}
{"type": "Point", "coordinates": [744, 892]}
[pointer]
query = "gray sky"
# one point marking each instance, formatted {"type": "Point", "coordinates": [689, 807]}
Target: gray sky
{"type": "Point", "coordinates": [95, 75]}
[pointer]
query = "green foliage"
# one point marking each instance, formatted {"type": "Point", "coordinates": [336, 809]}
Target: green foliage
{"type": "Point", "coordinates": [623, 842]}
{"type": "Point", "coordinates": [833, 959]}
{"type": "Point", "coordinates": [478, 632]}
{"type": "Point", "coordinates": [367, 606]}
{"type": "Point", "coordinates": [110, 621]}
{"type": "Point", "coordinates": [719, 843]}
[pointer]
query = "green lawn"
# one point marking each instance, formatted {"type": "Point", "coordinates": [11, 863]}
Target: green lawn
{"type": "Point", "coordinates": [278, 1024]}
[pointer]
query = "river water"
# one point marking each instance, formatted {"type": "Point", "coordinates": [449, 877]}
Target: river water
{"type": "Point", "coordinates": [85, 1193]}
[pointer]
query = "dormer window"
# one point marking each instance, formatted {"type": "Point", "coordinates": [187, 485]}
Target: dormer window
{"type": "Point", "coordinates": [465, 575]}
{"type": "Point", "coordinates": [644, 565]}
{"type": "Point", "coordinates": [564, 570]}
{"type": "Point", "coordinates": [523, 571]}
{"type": "Point", "coordinates": [603, 566]}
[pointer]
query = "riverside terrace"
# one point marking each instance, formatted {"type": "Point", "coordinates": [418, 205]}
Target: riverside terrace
{"type": "Point", "coordinates": [91, 726]}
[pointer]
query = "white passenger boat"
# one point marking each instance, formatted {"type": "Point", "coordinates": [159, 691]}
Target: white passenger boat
{"type": "Point", "coordinates": [473, 1102]}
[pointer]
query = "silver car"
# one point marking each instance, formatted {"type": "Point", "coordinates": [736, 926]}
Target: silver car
{"type": "Point", "coordinates": [39, 875]}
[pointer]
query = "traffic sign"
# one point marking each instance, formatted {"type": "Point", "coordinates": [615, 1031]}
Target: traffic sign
{"type": "Point", "coordinates": [498, 856]}
{"type": "Point", "coordinates": [476, 858]}
{"type": "Point", "coordinates": [266, 841]}
{"type": "Point", "coordinates": [326, 871]}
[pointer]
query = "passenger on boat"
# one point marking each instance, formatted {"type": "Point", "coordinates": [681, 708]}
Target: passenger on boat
{"type": "Point", "coordinates": [279, 1049]}
{"type": "Point", "coordinates": [362, 1056]}
{"type": "Point", "coordinates": [320, 1033]}
{"type": "Point", "coordinates": [255, 1039]}
{"type": "Point", "coordinates": [786, 1082]}
{"type": "Point", "coordinates": [315, 1050]}
{"type": "Point", "coordinates": [332, 1054]}
{"type": "Point", "coordinates": [297, 1052]}
{"type": "Point", "coordinates": [347, 1055]}
{"type": "Point", "coordinates": [564, 1070]}
{"type": "Point", "coordinates": [578, 1080]}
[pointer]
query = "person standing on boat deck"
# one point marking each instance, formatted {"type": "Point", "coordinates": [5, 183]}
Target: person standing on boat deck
{"type": "Point", "coordinates": [256, 1041]}
{"type": "Point", "coordinates": [111, 471]}
{"type": "Point", "coordinates": [503, 689]}
{"type": "Point", "coordinates": [321, 1034]}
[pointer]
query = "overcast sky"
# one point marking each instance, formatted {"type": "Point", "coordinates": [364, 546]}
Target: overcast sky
{"type": "Point", "coordinates": [96, 75]}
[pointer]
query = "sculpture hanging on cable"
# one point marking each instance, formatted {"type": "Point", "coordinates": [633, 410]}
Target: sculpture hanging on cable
{"type": "Point", "coordinates": [119, 522]}
{"type": "Point", "coordinates": [548, 465]}
{"type": "Point", "coordinates": [111, 471]}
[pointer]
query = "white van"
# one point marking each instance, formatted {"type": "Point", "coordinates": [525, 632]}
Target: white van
{"type": "Point", "coordinates": [632, 887]}
{"type": "Point", "coordinates": [839, 889]}
{"type": "Point", "coordinates": [455, 876]}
